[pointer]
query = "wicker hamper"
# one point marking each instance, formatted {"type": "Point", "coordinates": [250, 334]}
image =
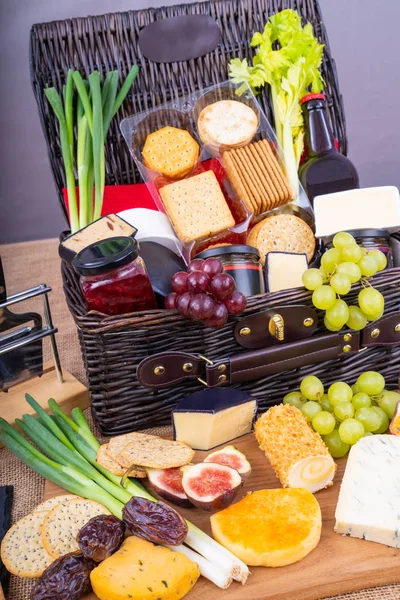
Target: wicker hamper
{"type": "Point", "coordinates": [114, 347]}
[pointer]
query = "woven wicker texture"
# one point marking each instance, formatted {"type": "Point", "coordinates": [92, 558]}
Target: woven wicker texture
{"type": "Point", "coordinates": [111, 42]}
{"type": "Point", "coordinates": [26, 265]}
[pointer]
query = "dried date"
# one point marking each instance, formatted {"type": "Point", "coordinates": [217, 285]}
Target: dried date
{"type": "Point", "coordinates": [100, 537]}
{"type": "Point", "coordinates": [154, 521]}
{"type": "Point", "coordinates": [67, 578]}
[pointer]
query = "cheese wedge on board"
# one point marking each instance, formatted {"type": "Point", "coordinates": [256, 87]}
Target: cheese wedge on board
{"type": "Point", "coordinates": [369, 499]}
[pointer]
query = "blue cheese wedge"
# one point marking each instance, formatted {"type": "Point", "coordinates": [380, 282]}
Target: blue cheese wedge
{"type": "Point", "coordinates": [213, 417]}
{"type": "Point", "coordinates": [369, 499]}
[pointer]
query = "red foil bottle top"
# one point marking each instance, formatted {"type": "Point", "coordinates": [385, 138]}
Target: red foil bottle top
{"type": "Point", "coordinates": [312, 97]}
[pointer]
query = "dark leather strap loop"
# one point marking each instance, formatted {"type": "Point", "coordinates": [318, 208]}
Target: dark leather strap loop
{"type": "Point", "coordinates": [384, 332]}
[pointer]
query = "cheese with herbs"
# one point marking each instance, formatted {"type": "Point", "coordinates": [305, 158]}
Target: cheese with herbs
{"type": "Point", "coordinates": [369, 499]}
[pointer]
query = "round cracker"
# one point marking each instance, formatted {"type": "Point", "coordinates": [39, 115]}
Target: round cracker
{"type": "Point", "coordinates": [155, 452]}
{"type": "Point", "coordinates": [227, 123]}
{"type": "Point", "coordinates": [22, 550]}
{"type": "Point", "coordinates": [282, 233]}
{"type": "Point", "coordinates": [62, 524]}
{"type": "Point", "coordinates": [104, 460]}
{"type": "Point", "coordinates": [52, 502]}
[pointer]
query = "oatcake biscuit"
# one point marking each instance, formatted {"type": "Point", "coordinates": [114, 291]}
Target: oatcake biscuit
{"type": "Point", "coordinates": [197, 207]}
{"type": "Point", "coordinates": [282, 233]}
{"type": "Point", "coordinates": [155, 452]}
{"type": "Point", "coordinates": [228, 123]}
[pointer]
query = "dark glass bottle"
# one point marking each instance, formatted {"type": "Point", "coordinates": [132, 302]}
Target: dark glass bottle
{"type": "Point", "coordinates": [325, 169]}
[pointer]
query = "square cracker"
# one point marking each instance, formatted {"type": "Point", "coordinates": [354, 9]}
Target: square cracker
{"type": "Point", "coordinates": [197, 207]}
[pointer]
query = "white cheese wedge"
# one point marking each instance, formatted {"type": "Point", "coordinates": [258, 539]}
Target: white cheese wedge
{"type": "Point", "coordinates": [284, 270]}
{"type": "Point", "coordinates": [369, 499]}
{"type": "Point", "coordinates": [368, 208]}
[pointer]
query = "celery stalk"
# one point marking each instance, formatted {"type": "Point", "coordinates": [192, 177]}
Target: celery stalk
{"type": "Point", "coordinates": [56, 104]}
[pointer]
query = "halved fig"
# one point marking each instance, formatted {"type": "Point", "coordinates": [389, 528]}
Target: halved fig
{"type": "Point", "coordinates": [394, 426]}
{"type": "Point", "coordinates": [211, 486]}
{"type": "Point", "coordinates": [167, 483]}
{"type": "Point", "coordinates": [231, 457]}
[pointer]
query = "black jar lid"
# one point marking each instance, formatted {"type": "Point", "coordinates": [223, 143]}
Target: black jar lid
{"type": "Point", "coordinates": [105, 255]}
{"type": "Point", "coordinates": [229, 249]}
{"type": "Point", "coordinates": [369, 233]}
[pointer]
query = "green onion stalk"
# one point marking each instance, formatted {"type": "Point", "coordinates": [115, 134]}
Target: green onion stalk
{"type": "Point", "coordinates": [96, 105]}
{"type": "Point", "coordinates": [66, 455]}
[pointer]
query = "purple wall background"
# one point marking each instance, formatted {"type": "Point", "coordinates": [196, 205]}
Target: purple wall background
{"type": "Point", "coordinates": [364, 41]}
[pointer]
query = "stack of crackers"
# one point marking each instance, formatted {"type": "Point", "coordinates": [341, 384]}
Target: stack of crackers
{"type": "Point", "coordinates": [256, 177]}
{"type": "Point", "coordinates": [142, 450]}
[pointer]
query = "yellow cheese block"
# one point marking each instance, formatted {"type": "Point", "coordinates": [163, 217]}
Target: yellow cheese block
{"type": "Point", "coordinates": [142, 571]}
{"type": "Point", "coordinates": [270, 528]}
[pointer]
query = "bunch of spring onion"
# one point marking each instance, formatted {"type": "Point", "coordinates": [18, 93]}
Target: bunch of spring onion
{"type": "Point", "coordinates": [88, 112]}
{"type": "Point", "coordinates": [65, 453]}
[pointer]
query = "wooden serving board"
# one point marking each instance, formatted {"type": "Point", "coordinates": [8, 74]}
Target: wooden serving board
{"type": "Point", "coordinates": [338, 564]}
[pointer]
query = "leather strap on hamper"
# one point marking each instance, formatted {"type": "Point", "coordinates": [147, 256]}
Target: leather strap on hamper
{"type": "Point", "coordinates": [169, 368]}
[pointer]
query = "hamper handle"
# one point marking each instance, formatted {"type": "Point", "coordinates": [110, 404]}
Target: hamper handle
{"type": "Point", "coordinates": [169, 368]}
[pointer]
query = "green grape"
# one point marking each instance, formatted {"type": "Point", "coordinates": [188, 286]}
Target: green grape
{"type": "Point", "coordinates": [371, 383]}
{"type": "Point", "coordinates": [350, 431]}
{"type": "Point", "coordinates": [368, 266]}
{"type": "Point", "coordinates": [369, 418]}
{"type": "Point", "coordinates": [330, 259]}
{"type": "Point", "coordinates": [329, 325]}
{"type": "Point", "coordinates": [351, 270]}
{"type": "Point", "coordinates": [340, 284]}
{"type": "Point", "coordinates": [344, 410]}
{"type": "Point", "coordinates": [339, 392]}
{"type": "Point", "coordinates": [370, 301]}
{"type": "Point", "coordinates": [324, 422]}
{"type": "Point", "coordinates": [367, 433]}
{"type": "Point", "coordinates": [338, 314]}
{"type": "Point", "coordinates": [323, 297]}
{"type": "Point", "coordinates": [312, 279]}
{"type": "Point", "coordinates": [360, 400]}
{"type": "Point", "coordinates": [375, 316]}
{"type": "Point", "coordinates": [380, 258]}
{"type": "Point", "coordinates": [310, 410]}
{"type": "Point", "coordinates": [384, 419]}
{"type": "Point", "coordinates": [325, 404]}
{"type": "Point", "coordinates": [356, 388]}
{"type": "Point", "coordinates": [388, 402]}
{"type": "Point", "coordinates": [295, 399]}
{"type": "Point", "coordinates": [357, 319]}
{"type": "Point", "coordinates": [343, 239]}
{"type": "Point", "coordinates": [336, 447]}
{"type": "Point", "coordinates": [312, 388]}
{"type": "Point", "coordinates": [351, 253]}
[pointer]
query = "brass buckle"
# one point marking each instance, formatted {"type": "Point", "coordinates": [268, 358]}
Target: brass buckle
{"type": "Point", "coordinates": [276, 327]}
{"type": "Point", "coordinates": [209, 362]}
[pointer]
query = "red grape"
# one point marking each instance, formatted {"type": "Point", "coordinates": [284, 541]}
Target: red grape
{"type": "Point", "coordinates": [222, 286]}
{"type": "Point", "coordinates": [179, 282]}
{"type": "Point", "coordinates": [212, 266]}
{"type": "Point", "coordinates": [201, 307]}
{"type": "Point", "coordinates": [198, 282]}
{"type": "Point", "coordinates": [236, 303]}
{"type": "Point", "coordinates": [171, 300]}
{"type": "Point", "coordinates": [182, 304]}
{"type": "Point", "coordinates": [195, 265]}
{"type": "Point", "coordinates": [219, 316]}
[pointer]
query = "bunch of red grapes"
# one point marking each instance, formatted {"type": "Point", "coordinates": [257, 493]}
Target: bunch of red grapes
{"type": "Point", "coordinates": [205, 293]}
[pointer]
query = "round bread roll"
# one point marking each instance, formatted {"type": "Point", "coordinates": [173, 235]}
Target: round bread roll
{"type": "Point", "coordinates": [282, 233]}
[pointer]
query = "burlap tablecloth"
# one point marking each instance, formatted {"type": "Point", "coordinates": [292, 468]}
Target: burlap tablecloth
{"type": "Point", "coordinates": [28, 264]}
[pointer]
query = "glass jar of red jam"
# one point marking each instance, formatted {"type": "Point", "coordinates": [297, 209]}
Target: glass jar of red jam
{"type": "Point", "coordinates": [243, 263]}
{"type": "Point", "coordinates": [113, 277]}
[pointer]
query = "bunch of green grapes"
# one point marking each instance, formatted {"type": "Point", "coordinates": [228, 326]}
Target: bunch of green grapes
{"type": "Point", "coordinates": [345, 414]}
{"type": "Point", "coordinates": [341, 266]}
